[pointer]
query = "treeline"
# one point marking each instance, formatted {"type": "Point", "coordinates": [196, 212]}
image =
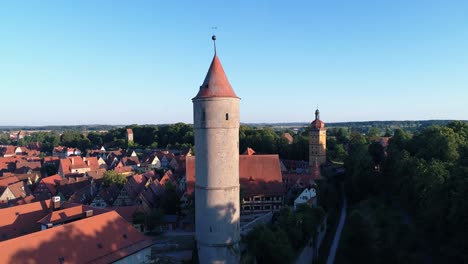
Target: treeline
{"type": "Point", "coordinates": [410, 202]}
{"type": "Point", "coordinates": [280, 241]}
{"type": "Point", "coordinates": [60, 129]}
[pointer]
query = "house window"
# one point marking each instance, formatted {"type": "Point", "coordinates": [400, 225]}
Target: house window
{"type": "Point", "coordinates": [227, 116]}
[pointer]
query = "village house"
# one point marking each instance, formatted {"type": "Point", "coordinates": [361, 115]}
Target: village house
{"type": "Point", "coordinates": [14, 191]}
{"type": "Point", "coordinates": [106, 196]}
{"type": "Point", "coordinates": [151, 162]}
{"type": "Point", "coordinates": [260, 179]}
{"type": "Point", "coordinates": [135, 185]}
{"type": "Point", "coordinates": [79, 166]}
{"type": "Point", "coordinates": [64, 152]}
{"type": "Point", "coordinates": [47, 187]}
{"type": "Point", "coordinates": [308, 196]}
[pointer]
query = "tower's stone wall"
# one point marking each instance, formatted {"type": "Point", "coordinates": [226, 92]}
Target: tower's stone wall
{"type": "Point", "coordinates": [317, 146]}
{"type": "Point", "coordinates": [217, 214]}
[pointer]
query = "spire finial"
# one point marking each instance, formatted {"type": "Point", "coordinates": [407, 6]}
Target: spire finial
{"type": "Point", "coordinates": [214, 42]}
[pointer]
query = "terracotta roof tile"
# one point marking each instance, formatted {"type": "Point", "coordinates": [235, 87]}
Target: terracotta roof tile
{"type": "Point", "coordinates": [71, 213]}
{"type": "Point", "coordinates": [20, 220]}
{"type": "Point", "coordinates": [216, 83]}
{"type": "Point", "coordinates": [258, 174]}
{"type": "Point", "coordinates": [104, 238]}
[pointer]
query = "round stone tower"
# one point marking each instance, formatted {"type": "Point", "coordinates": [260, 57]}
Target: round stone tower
{"type": "Point", "coordinates": [317, 142]}
{"type": "Point", "coordinates": [217, 211]}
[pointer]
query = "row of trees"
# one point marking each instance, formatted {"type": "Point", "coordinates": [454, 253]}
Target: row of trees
{"type": "Point", "coordinates": [422, 185]}
{"type": "Point", "coordinates": [279, 242]}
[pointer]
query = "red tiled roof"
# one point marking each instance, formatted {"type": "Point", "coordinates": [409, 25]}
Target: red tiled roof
{"type": "Point", "coordinates": [50, 159]}
{"type": "Point", "coordinates": [7, 181]}
{"type": "Point", "coordinates": [317, 123]}
{"type": "Point", "coordinates": [258, 174]}
{"type": "Point", "coordinates": [33, 165]}
{"type": "Point", "coordinates": [216, 83]}
{"type": "Point", "coordinates": [124, 169]}
{"type": "Point", "coordinates": [20, 220]}
{"type": "Point", "coordinates": [70, 163]}
{"type": "Point", "coordinates": [126, 212]}
{"type": "Point", "coordinates": [19, 189]}
{"type": "Point", "coordinates": [104, 238]}
{"type": "Point", "coordinates": [51, 182]}
{"type": "Point", "coordinates": [74, 212]}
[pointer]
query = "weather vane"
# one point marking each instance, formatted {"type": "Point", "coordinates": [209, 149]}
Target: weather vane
{"type": "Point", "coordinates": [214, 38]}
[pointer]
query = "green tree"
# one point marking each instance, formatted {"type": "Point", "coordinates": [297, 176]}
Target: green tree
{"type": "Point", "coordinates": [270, 245]}
{"type": "Point", "coordinates": [359, 240]}
{"type": "Point", "coordinates": [112, 177]}
{"type": "Point", "coordinates": [170, 202]}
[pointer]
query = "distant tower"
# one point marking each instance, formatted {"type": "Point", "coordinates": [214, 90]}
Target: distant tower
{"type": "Point", "coordinates": [129, 135]}
{"type": "Point", "coordinates": [317, 142]}
{"type": "Point", "coordinates": [217, 211]}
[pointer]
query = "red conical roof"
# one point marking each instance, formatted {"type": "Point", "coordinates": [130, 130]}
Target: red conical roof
{"type": "Point", "coordinates": [216, 83]}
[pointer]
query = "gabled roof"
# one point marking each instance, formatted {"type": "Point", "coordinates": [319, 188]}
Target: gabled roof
{"type": "Point", "coordinates": [104, 238]}
{"type": "Point", "coordinates": [51, 182]}
{"type": "Point", "coordinates": [70, 186]}
{"type": "Point", "coordinates": [131, 161]}
{"type": "Point", "coordinates": [24, 164]}
{"type": "Point", "coordinates": [19, 189]}
{"type": "Point", "coordinates": [216, 83]}
{"type": "Point", "coordinates": [109, 194]}
{"type": "Point", "coordinates": [136, 184]}
{"type": "Point", "coordinates": [258, 174]}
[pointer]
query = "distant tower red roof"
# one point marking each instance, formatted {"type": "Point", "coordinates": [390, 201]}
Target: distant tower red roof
{"type": "Point", "coordinates": [216, 83]}
{"type": "Point", "coordinates": [317, 123]}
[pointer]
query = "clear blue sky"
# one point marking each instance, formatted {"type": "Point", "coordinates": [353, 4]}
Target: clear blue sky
{"type": "Point", "coordinates": [141, 62]}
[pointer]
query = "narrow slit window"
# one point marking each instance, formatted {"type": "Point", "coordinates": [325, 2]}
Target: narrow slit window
{"type": "Point", "coordinates": [203, 115]}
{"type": "Point", "coordinates": [227, 116]}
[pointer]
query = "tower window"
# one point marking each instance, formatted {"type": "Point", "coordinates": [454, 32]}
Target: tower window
{"type": "Point", "coordinates": [227, 116]}
{"type": "Point", "coordinates": [203, 115]}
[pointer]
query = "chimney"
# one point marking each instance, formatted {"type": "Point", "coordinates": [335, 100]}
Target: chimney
{"type": "Point", "coordinates": [72, 161]}
{"type": "Point", "coordinates": [55, 203]}
{"type": "Point", "coordinates": [88, 213]}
